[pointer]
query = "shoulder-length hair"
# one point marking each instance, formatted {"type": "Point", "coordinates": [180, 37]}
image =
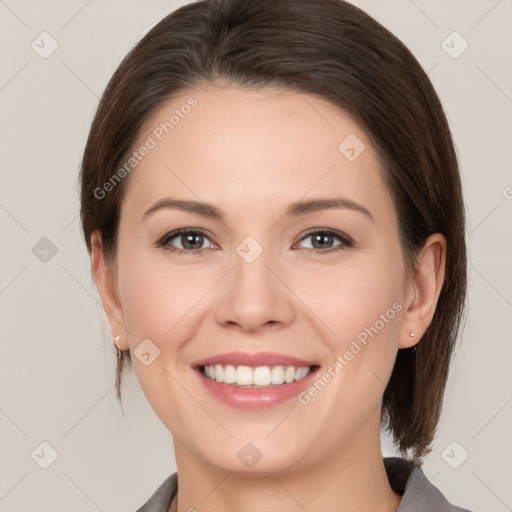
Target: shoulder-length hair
{"type": "Point", "coordinates": [334, 50]}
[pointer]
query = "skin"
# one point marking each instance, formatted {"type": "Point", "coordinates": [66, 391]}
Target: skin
{"type": "Point", "coordinates": [251, 154]}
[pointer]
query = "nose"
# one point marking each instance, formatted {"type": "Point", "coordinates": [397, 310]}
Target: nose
{"type": "Point", "coordinates": [254, 296]}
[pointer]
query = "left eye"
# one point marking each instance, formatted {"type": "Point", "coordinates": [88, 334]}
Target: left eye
{"type": "Point", "coordinates": [322, 240]}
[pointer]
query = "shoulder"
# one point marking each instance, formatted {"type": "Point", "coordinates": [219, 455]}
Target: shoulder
{"type": "Point", "coordinates": [418, 493]}
{"type": "Point", "coordinates": [161, 499]}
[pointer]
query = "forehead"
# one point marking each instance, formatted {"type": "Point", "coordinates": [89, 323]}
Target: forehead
{"type": "Point", "coordinates": [267, 147]}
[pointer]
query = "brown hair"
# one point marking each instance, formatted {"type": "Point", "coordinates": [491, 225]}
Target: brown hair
{"type": "Point", "coordinates": [331, 49]}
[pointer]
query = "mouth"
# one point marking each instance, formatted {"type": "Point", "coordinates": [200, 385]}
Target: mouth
{"type": "Point", "coordinates": [258, 377]}
{"type": "Point", "coordinates": [255, 381]}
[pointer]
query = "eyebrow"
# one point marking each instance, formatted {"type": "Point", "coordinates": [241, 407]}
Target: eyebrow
{"type": "Point", "coordinates": [296, 209]}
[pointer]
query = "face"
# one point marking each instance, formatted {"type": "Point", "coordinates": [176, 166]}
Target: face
{"type": "Point", "coordinates": [265, 281]}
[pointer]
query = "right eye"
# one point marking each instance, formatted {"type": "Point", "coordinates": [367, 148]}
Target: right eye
{"type": "Point", "coordinates": [191, 241]}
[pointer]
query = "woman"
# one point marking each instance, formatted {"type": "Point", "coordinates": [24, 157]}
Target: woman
{"type": "Point", "coordinates": [272, 203]}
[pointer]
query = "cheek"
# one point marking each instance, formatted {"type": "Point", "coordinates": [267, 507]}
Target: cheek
{"type": "Point", "coordinates": [350, 299]}
{"type": "Point", "coordinates": [360, 310]}
{"type": "Point", "coordinates": [158, 305]}
{"type": "Point", "coordinates": [158, 299]}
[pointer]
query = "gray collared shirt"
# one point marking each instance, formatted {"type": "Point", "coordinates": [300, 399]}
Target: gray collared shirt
{"type": "Point", "coordinates": [418, 494]}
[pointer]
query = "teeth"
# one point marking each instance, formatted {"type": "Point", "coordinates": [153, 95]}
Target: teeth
{"type": "Point", "coordinates": [259, 376]}
{"type": "Point", "coordinates": [262, 376]}
{"type": "Point", "coordinates": [229, 374]}
{"type": "Point", "coordinates": [277, 375]}
{"type": "Point", "coordinates": [243, 376]}
{"type": "Point", "coordinates": [289, 374]}
{"type": "Point", "coordinates": [219, 373]}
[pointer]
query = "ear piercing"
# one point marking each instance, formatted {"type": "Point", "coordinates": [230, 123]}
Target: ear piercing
{"type": "Point", "coordinates": [411, 334]}
{"type": "Point", "coordinates": [119, 354]}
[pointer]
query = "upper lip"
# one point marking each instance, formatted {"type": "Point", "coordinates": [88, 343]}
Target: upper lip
{"type": "Point", "coordinates": [253, 360]}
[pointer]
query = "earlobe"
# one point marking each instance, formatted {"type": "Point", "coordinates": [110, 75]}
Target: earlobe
{"type": "Point", "coordinates": [105, 282]}
{"type": "Point", "coordinates": [426, 284]}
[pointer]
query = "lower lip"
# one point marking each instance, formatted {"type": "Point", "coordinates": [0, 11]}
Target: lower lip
{"type": "Point", "coordinates": [255, 398]}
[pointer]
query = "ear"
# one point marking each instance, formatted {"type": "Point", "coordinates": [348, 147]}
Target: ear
{"type": "Point", "coordinates": [423, 291]}
{"type": "Point", "coordinates": [105, 279]}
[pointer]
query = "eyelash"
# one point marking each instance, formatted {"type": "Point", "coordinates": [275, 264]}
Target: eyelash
{"type": "Point", "coordinates": [346, 241]}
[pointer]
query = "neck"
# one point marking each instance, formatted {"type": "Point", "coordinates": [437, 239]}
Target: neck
{"type": "Point", "coordinates": [352, 478]}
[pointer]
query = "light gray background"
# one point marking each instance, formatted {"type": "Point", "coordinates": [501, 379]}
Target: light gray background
{"type": "Point", "coordinates": [57, 361]}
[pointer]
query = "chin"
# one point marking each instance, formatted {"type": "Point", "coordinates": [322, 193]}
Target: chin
{"type": "Point", "coordinates": [257, 457]}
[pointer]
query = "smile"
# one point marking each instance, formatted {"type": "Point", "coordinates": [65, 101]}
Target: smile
{"type": "Point", "coordinates": [259, 376]}
{"type": "Point", "coordinates": [254, 380]}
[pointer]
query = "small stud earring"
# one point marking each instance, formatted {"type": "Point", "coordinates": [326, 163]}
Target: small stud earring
{"type": "Point", "coordinates": [116, 341]}
{"type": "Point", "coordinates": [411, 334]}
